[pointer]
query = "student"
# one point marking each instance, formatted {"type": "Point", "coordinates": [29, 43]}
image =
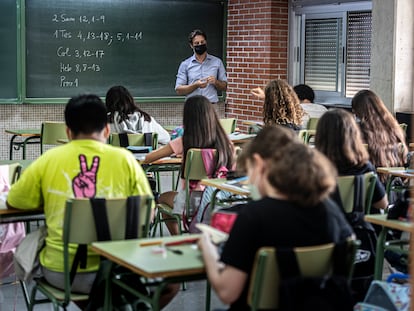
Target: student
{"type": "Point", "coordinates": [281, 104]}
{"type": "Point", "coordinates": [201, 73]}
{"type": "Point", "coordinates": [126, 117]}
{"type": "Point", "coordinates": [339, 138]}
{"type": "Point", "coordinates": [307, 96]}
{"type": "Point", "coordinates": [202, 129]}
{"type": "Point", "coordinates": [85, 167]}
{"type": "Point", "coordinates": [293, 182]}
{"type": "Point", "coordinates": [380, 130]}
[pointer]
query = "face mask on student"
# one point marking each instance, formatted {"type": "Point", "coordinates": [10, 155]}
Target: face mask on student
{"type": "Point", "coordinates": [254, 192]}
{"type": "Point", "coordinates": [200, 49]}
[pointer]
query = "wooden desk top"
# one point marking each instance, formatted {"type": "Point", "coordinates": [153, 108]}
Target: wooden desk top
{"type": "Point", "coordinates": [396, 171]}
{"type": "Point", "coordinates": [25, 132]}
{"type": "Point", "coordinates": [152, 261]}
{"type": "Point", "coordinates": [221, 184]}
{"type": "Point", "coordinates": [247, 122]}
{"type": "Point", "coordinates": [240, 138]}
{"type": "Point", "coordinates": [390, 223]}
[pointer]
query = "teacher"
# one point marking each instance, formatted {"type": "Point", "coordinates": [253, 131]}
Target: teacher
{"type": "Point", "coordinates": [201, 73]}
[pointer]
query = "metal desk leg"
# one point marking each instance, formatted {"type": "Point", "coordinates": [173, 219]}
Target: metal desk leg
{"type": "Point", "coordinates": [379, 256]}
{"type": "Point", "coordinates": [25, 294]}
{"type": "Point", "coordinates": [25, 142]}
{"type": "Point", "coordinates": [11, 146]}
{"type": "Point", "coordinates": [208, 295]}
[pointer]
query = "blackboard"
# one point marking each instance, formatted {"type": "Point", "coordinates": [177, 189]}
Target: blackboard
{"type": "Point", "coordinates": [85, 46]}
{"type": "Point", "coordinates": [8, 50]}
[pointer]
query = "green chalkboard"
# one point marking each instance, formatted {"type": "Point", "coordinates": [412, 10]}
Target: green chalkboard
{"type": "Point", "coordinates": [78, 46]}
{"type": "Point", "coordinates": [8, 50]}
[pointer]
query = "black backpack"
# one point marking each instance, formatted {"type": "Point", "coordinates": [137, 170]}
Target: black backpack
{"type": "Point", "coordinates": [364, 265]}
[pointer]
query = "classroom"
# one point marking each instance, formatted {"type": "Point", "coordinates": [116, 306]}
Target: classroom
{"type": "Point", "coordinates": [53, 54]}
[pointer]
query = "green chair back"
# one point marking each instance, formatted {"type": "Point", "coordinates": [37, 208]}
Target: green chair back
{"type": "Point", "coordinates": [346, 191]}
{"type": "Point", "coordinates": [15, 170]}
{"type": "Point", "coordinates": [194, 170]}
{"type": "Point", "coordinates": [312, 123]}
{"type": "Point", "coordinates": [306, 135]}
{"type": "Point", "coordinates": [134, 140]}
{"type": "Point", "coordinates": [229, 125]}
{"type": "Point", "coordinates": [313, 261]}
{"type": "Point", "coordinates": [79, 228]}
{"type": "Point", "coordinates": [50, 133]}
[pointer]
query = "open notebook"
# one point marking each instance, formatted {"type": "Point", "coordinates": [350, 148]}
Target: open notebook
{"type": "Point", "coordinates": [217, 236]}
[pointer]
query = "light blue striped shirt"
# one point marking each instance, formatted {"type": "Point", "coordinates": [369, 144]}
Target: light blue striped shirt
{"type": "Point", "coordinates": [191, 70]}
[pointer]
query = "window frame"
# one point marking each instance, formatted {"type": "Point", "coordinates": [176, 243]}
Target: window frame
{"type": "Point", "coordinates": [297, 19]}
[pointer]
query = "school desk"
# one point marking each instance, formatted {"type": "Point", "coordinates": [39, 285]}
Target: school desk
{"type": "Point", "coordinates": [155, 259]}
{"type": "Point", "coordinates": [382, 220]}
{"type": "Point", "coordinates": [167, 164]}
{"type": "Point", "coordinates": [26, 137]}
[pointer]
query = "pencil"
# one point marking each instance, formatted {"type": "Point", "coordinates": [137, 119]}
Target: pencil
{"type": "Point", "coordinates": [150, 243]}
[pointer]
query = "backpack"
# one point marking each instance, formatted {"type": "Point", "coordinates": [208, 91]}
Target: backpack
{"type": "Point", "coordinates": [326, 293]}
{"type": "Point", "coordinates": [364, 264]}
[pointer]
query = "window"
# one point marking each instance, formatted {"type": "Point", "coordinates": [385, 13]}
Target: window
{"type": "Point", "coordinates": [333, 49]}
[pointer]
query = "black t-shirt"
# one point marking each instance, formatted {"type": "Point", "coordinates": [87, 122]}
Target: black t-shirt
{"type": "Point", "coordinates": [379, 190]}
{"type": "Point", "coordinates": [279, 223]}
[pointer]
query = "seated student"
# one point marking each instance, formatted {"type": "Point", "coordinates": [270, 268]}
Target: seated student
{"type": "Point", "coordinates": [380, 131]}
{"type": "Point", "coordinates": [85, 167]}
{"type": "Point", "coordinates": [339, 138]}
{"type": "Point", "coordinates": [202, 129]}
{"type": "Point", "coordinates": [281, 104]}
{"type": "Point", "coordinates": [290, 183]}
{"type": "Point", "coordinates": [307, 96]}
{"type": "Point", "coordinates": [126, 117]}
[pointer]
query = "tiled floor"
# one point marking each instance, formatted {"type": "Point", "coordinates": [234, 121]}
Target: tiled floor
{"type": "Point", "coordinates": [193, 298]}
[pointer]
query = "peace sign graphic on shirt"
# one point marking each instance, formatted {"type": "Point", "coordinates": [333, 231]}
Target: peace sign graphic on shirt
{"type": "Point", "coordinates": [84, 184]}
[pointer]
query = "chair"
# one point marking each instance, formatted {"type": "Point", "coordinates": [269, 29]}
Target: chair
{"type": "Point", "coordinates": [312, 123]}
{"type": "Point", "coordinates": [346, 191]}
{"type": "Point", "coordinates": [306, 135]}
{"type": "Point", "coordinates": [50, 133]}
{"type": "Point", "coordinates": [404, 127]}
{"type": "Point", "coordinates": [194, 170]}
{"type": "Point", "coordinates": [313, 261]}
{"type": "Point", "coordinates": [229, 125]}
{"type": "Point", "coordinates": [15, 170]}
{"type": "Point", "coordinates": [135, 140]}
{"type": "Point", "coordinates": [79, 227]}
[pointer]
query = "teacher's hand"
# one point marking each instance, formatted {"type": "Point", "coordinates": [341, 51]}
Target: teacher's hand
{"type": "Point", "coordinates": [202, 83]}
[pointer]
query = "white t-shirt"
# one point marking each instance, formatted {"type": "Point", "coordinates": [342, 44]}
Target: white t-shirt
{"type": "Point", "coordinates": [312, 111]}
{"type": "Point", "coordinates": [136, 124]}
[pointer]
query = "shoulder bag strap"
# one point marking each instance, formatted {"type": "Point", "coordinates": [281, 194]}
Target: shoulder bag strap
{"type": "Point", "coordinates": [148, 139]}
{"type": "Point", "coordinates": [132, 217]}
{"type": "Point", "coordinates": [358, 194]}
{"type": "Point", "coordinates": [123, 140]}
{"type": "Point", "coordinates": [287, 263]}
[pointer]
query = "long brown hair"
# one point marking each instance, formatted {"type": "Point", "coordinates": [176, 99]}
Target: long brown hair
{"type": "Point", "coordinates": [301, 173]}
{"type": "Point", "coordinates": [281, 104]}
{"type": "Point", "coordinates": [119, 99]}
{"type": "Point", "coordinates": [202, 129]}
{"type": "Point", "coordinates": [380, 130]}
{"type": "Point", "coordinates": [339, 138]}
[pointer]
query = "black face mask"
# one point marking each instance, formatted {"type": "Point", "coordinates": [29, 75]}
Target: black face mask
{"type": "Point", "coordinates": [200, 49]}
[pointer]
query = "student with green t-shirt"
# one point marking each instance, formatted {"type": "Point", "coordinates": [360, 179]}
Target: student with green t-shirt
{"type": "Point", "coordinates": [83, 168]}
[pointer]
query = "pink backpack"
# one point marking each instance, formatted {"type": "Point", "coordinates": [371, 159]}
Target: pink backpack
{"type": "Point", "coordinates": [10, 234]}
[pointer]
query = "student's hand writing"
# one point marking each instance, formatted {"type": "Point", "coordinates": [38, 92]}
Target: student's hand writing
{"type": "Point", "coordinates": [84, 184]}
{"type": "Point", "coordinates": [206, 245]}
{"type": "Point", "coordinates": [258, 92]}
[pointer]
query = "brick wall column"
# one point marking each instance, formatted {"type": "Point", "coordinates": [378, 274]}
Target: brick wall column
{"type": "Point", "coordinates": [257, 47]}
